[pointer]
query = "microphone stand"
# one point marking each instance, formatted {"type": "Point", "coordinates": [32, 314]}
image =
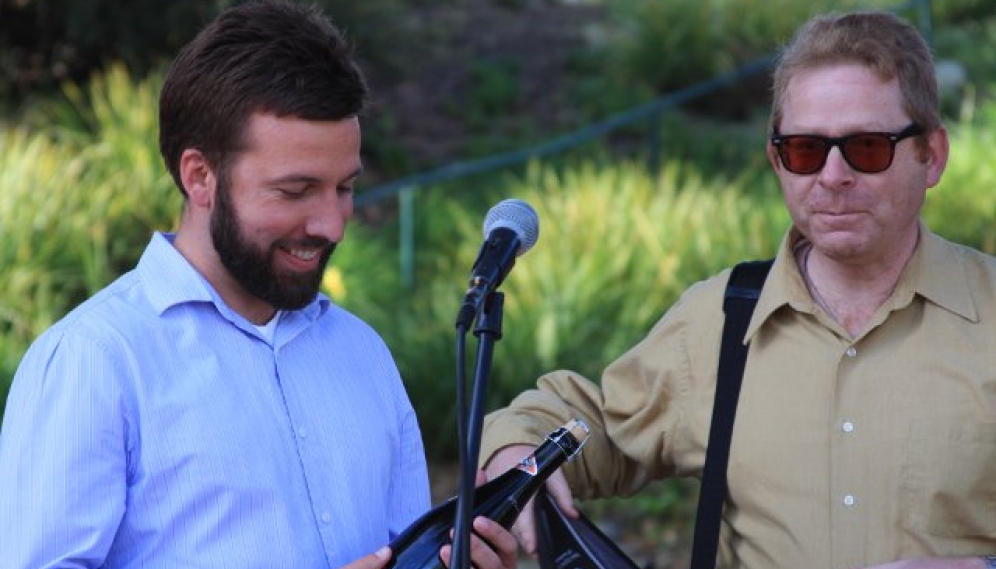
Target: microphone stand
{"type": "Point", "coordinates": [469, 423]}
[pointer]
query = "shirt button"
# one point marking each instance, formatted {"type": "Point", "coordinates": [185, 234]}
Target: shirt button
{"type": "Point", "coordinates": [851, 352]}
{"type": "Point", "coordinates": [326, 517]}
{"type": "Point", "coordinates": [302, 432]}
{"type": "Point", "coordinates": [849, 500]}
{"type": "Point", "coordinates": [847, 427]}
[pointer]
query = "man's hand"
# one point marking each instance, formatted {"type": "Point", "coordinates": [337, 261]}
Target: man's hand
{"type": "Point", "coordinates": [525, 526]}
{"type": "Point", "coordinates": [376, 560]}
{"type": "Point", "coordinates": [491, 546]}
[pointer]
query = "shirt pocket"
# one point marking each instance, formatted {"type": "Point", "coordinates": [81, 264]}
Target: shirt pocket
{"type": "Point", "coordinates": [948, 486]}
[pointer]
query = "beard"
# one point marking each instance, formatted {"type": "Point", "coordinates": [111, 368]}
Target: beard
{"type": "Point", "coordinates": [253, 267]}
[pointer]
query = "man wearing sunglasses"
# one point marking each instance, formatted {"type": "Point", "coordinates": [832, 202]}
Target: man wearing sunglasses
{"type": "Point", "coordinates": [865, 431]}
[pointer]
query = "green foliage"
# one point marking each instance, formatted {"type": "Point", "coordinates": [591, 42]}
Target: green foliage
{"type": "Point", "coordinates": [617, 246]}
{"type": "Point", "coordinates": [44, 43]}
{"type": "Point", "coordinates": [972, 45]}
{"type": "Point", "coordinates": [963, 205]}
{"type": "Point", "coordinates": [962, 11]}
{"type": "Point", "coordinates": [665, 45]}
{"type": "Point", "coordinates": [48, 42]}
{"type": "Point", "coordinates": [80, 200]}
{"type": "Point", "coordinates": [493, 87]}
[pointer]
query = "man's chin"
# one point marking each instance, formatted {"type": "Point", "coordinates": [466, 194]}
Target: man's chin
{"type": "Point", "coordinates": [295, 295]}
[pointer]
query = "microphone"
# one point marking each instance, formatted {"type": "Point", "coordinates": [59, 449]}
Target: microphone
{"type": "Point", "coordinates": [511, 228]}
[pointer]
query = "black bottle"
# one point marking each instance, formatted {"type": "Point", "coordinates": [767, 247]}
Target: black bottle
{"type": "Point", "coordinates": [573, 543]}
{"type": "Point", "coordinates": [500, 499]}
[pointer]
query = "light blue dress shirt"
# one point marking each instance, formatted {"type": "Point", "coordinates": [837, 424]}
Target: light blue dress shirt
{"type": "Point", "coordinates": [154, 427]}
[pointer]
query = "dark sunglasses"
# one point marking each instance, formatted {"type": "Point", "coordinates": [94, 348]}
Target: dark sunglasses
{"type": "Point", "coordinates": [868, 152]}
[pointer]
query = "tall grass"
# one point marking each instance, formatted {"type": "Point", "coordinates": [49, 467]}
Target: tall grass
{"type": "Point", "coordinates": [81, 196]}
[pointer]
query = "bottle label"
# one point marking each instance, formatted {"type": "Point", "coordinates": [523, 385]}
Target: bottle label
{"type": "Point", "coordinates": [528, 465]}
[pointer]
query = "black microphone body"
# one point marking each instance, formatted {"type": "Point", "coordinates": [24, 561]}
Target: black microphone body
{"type": "Point", "coordinates": [510, 229]}
{"type": "Point", "coordinates": [493, 263]}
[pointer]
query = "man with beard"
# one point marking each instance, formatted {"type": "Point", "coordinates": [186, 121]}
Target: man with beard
{"type": "Point", "coordinates": [210, 408]}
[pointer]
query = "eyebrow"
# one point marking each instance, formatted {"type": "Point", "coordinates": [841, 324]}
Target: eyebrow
{"type": "Point", "coordinates": [305, 179]}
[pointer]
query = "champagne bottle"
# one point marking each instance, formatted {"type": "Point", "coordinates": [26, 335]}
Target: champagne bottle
{"type": "Point", "coordinates": [500, 499]}
{"type": "Point", "coordinates": [573, 543]}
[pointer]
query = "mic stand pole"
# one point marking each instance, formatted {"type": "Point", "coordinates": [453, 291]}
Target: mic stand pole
{"type": "Point", "coordinates": [488, 331]}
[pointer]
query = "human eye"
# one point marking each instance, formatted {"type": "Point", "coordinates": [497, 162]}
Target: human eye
{"type": "Point", "coordinates": [806, 143]}
{"type": "Point", "coordinates": [292, 193]}
{"type": "Point", "coordinates": [869, 141]}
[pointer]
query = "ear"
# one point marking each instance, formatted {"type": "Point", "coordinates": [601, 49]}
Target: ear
{"type": "Point", "coordinates": [772, 153]}
{"type": "Point", "coordinates": [198, 178]}
{"type": "Point", "coordinates": [937, 155]}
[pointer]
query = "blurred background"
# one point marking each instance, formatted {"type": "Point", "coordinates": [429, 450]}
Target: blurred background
{"type": "Point", "coordinates": [636, 128]}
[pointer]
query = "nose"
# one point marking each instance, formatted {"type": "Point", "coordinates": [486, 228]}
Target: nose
{"type": "Point", "coordinates": [836, 170]}
{"type": "Point", "coordinates": [327, 219]}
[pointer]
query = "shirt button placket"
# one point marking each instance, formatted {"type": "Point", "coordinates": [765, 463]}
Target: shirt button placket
{"type": "Point", "coordinates": [847, 428]}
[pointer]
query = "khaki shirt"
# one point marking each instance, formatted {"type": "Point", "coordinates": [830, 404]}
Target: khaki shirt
{"type": "Point", "coordinates": [845, 453]}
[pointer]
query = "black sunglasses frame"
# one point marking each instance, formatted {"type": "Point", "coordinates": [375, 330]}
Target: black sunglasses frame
{"type": "Point", "coordinates": [779, 140]}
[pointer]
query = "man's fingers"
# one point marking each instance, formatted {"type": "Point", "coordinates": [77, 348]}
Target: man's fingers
{"type": "Point", "coordinates": [491, 546]}
{"type": "Point", "coordinates": [557, 487]}
{"type": "Point", "coordinates": [375, 560]}
{"type": "Point", "coordinates": [504, 544]}
{"type": "Point", "coordinates": [524, 528]}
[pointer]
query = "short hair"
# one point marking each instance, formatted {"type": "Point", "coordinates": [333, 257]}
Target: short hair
{"type": "Point", "coordinates": [884, 43]}
{"type": "Point", "coordinates": [269, 56]}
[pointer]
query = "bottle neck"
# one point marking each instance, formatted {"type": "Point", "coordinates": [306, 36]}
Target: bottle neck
{"type": "Point", "coordinates": [558, 447]}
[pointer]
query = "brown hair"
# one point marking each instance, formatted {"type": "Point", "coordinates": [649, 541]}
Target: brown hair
{"type": "Point", "coordinates": [271, 56]}
{"type": "Point", "coordinates": [881, 41]}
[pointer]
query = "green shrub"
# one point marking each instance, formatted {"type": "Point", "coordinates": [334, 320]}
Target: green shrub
{"type": "Point", "coordinates": [963, 205]}
{"type": "Point", "coordinates": [674, 43]}
{"type": "Point", "coordinates": [617, 246]}
{"type": "Point", "coordinates": [81, 198]}
{"type": "Point", "coordinates": [48, 42]}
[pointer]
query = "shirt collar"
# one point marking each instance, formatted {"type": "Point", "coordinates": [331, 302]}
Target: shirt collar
{"type": "Point", "coordinates": [170, 280]}
{"type": "Point", "coordinates": [933, 272]}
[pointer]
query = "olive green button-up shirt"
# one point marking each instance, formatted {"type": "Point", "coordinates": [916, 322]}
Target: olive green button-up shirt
{"type": "Point", "coordinates": [845, 452]}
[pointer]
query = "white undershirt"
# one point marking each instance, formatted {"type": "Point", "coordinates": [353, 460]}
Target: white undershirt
{"type": "Point", "coordinates": [270, 328]}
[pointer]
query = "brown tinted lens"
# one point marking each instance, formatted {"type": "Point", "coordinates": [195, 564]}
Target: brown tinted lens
{"type": "Point", "coordinates": [868, 152]}
{"type": "Point", "coordinates": [804, 154]}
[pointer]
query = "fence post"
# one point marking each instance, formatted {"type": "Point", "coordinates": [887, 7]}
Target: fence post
{"type": "Point", "coordinates": [406, 236]}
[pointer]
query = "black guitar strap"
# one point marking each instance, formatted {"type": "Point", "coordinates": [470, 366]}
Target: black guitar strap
{"type": "Point", "coordinates": [741, 296]}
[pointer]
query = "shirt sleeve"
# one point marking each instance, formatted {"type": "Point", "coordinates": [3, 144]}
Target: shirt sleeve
{"type": "Point", "coordinates": [410, 481]}
{"type": "Point", "coordinates": [639, 412]}
{"type": "Point", "coordinates": [62, 456]}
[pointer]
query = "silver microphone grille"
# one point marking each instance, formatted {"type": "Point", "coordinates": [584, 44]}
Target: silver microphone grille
{"type": "Point", "coordinates": [518, 216]}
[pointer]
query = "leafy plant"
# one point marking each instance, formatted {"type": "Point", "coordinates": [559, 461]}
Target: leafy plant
{"type": "Point", "coordinates": [617, 246]}
{"type": "Point", "coordinates": [81, 198]}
